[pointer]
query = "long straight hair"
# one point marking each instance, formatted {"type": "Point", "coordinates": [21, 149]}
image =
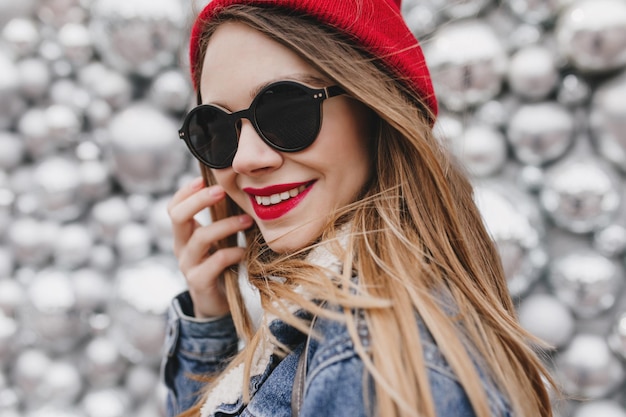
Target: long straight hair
{"type": "Point", "coordinates": [416, 241]}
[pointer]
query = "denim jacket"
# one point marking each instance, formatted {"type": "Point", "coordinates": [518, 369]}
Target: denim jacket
{"type": "Point", "coordinates": [334, 380]}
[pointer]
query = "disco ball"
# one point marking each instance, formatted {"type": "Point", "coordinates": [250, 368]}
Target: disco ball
{"type": "Point", "coordinates": [592, 34]}
{"type": "Point", "coordinates": [140, 37]}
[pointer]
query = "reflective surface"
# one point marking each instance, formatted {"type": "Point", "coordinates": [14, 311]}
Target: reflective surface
{"type": "Point", "coordinates": [533, 103]}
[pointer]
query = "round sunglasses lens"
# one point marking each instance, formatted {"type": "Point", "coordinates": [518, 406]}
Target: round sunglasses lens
{"type": "Point", "coordinates": [288, 116]}
{"type": "Point", "coordinates": [212, 137]}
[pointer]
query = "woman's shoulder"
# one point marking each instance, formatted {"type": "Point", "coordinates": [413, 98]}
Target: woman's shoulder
{"type": "Point", "coordinates": [335, 347]}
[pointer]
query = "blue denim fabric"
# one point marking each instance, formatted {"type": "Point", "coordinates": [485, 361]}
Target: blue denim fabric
{"type": "Point", "coordinates": [334, 383]}
{"type": "Point", "coordinates": [193, 347]}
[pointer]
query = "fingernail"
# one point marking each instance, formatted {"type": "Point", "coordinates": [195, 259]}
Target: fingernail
{"type": "Point", "coordinates": [197, 183]}
{"type": "Point", "coordinates": [245, 219]}
{"type": "Point", "coordinates": [216, 191]}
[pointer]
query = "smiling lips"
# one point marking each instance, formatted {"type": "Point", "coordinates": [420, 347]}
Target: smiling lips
{"type": "Point", "coordinates": [273, 202]}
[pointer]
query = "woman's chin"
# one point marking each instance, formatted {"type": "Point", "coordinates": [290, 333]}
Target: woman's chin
{"type": "Point", "coordinates": [289, 241]}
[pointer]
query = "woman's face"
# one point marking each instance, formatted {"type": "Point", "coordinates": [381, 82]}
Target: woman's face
{"type": "Point", "coordinates": [289, 195]}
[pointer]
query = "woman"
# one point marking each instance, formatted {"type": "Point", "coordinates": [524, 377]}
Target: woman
{"type": "Point", "coordinates": [382, 293]}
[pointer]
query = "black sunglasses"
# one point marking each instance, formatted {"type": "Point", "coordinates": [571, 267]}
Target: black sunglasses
{"type": "Point", "coordinates": [287, 115]}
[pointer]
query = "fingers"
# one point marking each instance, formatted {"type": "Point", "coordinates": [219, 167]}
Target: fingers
{"type": "Point", "coordinates": [200, 258]}
{"type": "Point", "coordinates": [185, 204]}
{"type": "Point", "coordinates": [204, 284]}
{"type": "Point", "coordinates": [213, 266]}
{"type": "Point", "coordinates": [204, 239]}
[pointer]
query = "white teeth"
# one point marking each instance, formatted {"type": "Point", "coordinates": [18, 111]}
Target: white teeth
{"type": "Point", "coordinates": [277, 198]}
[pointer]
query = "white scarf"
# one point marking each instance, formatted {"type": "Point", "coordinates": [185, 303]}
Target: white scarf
{"type": "Point", "coordinates": [229, 388]}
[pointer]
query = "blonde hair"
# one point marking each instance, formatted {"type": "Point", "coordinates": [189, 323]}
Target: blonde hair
{"type": "Point", "coordinates": [416, 240]}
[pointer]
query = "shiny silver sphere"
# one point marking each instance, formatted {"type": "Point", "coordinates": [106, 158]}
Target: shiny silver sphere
{"type": "Point", "coordinates": [108, 217]}
{"type": "Point", "coordinates": [106, 402]}
{"type": "Point", "coordinates": [75, 39]}
{"type": "Point", "coordinates": [21, 35]}
{"type": "Point", "coordinates": [51, 310]}
{"type": "Point", "coordinates": [588, 368]}
{"type": "Point", "coordinates": [138, 316]}
{"type": "Point", "coordinates": [93, 290]}
{"type": "Point", "coordinates": [587, 282]}
{"type": "Point", "coordinates": [106, 84]}
{"type": "Point", "coordinates": [140, 37]}
{"type": "Point", "coordinates": [133, 242]}
{"type": "Point", "coordinates": [171, 91]}
{"type": "Point", "coordinates": [592, 34]}
{"type": "Point", "coordinates": [540, 132]}
{"type": "Point", "coordinates": [514, 223]}
{"type": "Point", "coordinates": [29, 246]}
{"type": "Point", "coordinates": [481, 149]}
{"type": "Point", "coordinates": [610, 240]}
{"type": "Point", "coordinates": [145, 151]}
{"type": "Point", "coordinates": [34, 130]}
{"type": "Point", "coordinates": [573, 91]}
{"type": "Point", "coordinates": [73, 246]}
{"type": "Point", "coordinates": [35, 78]}
{"type": "Point", "coordinates": [533, 72]}
{"type": "Point", "coordinates": [61, 384]}
{"type": "Point", "coordinates": [57, 184]}
{"type": "Point", "coordinates": [102, 363]}
{"type": "Point", "coordinates": [29, 369]}
{"type": "Point", "coordinates": [547, 318]}
{"type": "Point", "coordinates": [467, 62]}
{"type": "Point", "coordinates": [581, 195]}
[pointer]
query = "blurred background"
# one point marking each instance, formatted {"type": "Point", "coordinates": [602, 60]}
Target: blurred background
{"type": "Point", "coordinates": [533, 102]}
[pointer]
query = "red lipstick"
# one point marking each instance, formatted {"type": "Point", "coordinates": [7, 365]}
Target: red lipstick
{"type": "Point", "coordinates": [278, 206]}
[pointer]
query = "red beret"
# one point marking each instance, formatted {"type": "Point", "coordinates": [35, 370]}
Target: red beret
{"type": "Point", "coordinates": [377, 25]}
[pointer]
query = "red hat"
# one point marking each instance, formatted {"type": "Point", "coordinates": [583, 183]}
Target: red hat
{"type": "Point", "coordinates": [377, 25]}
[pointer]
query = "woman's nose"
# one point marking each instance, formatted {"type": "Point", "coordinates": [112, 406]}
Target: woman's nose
{"type": "Point", "coordinates": [253, 155]}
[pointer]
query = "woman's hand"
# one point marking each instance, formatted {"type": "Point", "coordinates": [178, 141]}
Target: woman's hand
{"type": "Point", "coordinates": [195, 246]}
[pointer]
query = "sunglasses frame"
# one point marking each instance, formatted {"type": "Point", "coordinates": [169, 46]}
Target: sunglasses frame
{"type": "Point", "coordinates": [315, 94]}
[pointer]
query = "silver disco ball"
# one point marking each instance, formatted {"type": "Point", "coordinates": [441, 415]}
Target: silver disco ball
{"type": "Point", "coordinates": [592, 34]}
{"type": "Point", "coordinates": [91, 96]}
{"type": "Point", "coordinates": [138, 316]}
{"type": "Point", "coordinates": [581, 195]}
{"type": "Point", "coordinates": [140, 37]}
{"type": "Point", "coordinates": [587, 282]}
{"type": "Point", "coordinates": [547, 318]}
{"type": "Point", "coordinates": [144, 149]}
{"type": "Point", "coordinates": [540, 132]}
{"type": "Point", "coordinates": [588, 368]}
{"type": "Point", "coordinates": [468, 63]}
{"type": "Point", "coordinates": [533, 72]}
{"type": "Point", "coordinates": [513, 220]}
